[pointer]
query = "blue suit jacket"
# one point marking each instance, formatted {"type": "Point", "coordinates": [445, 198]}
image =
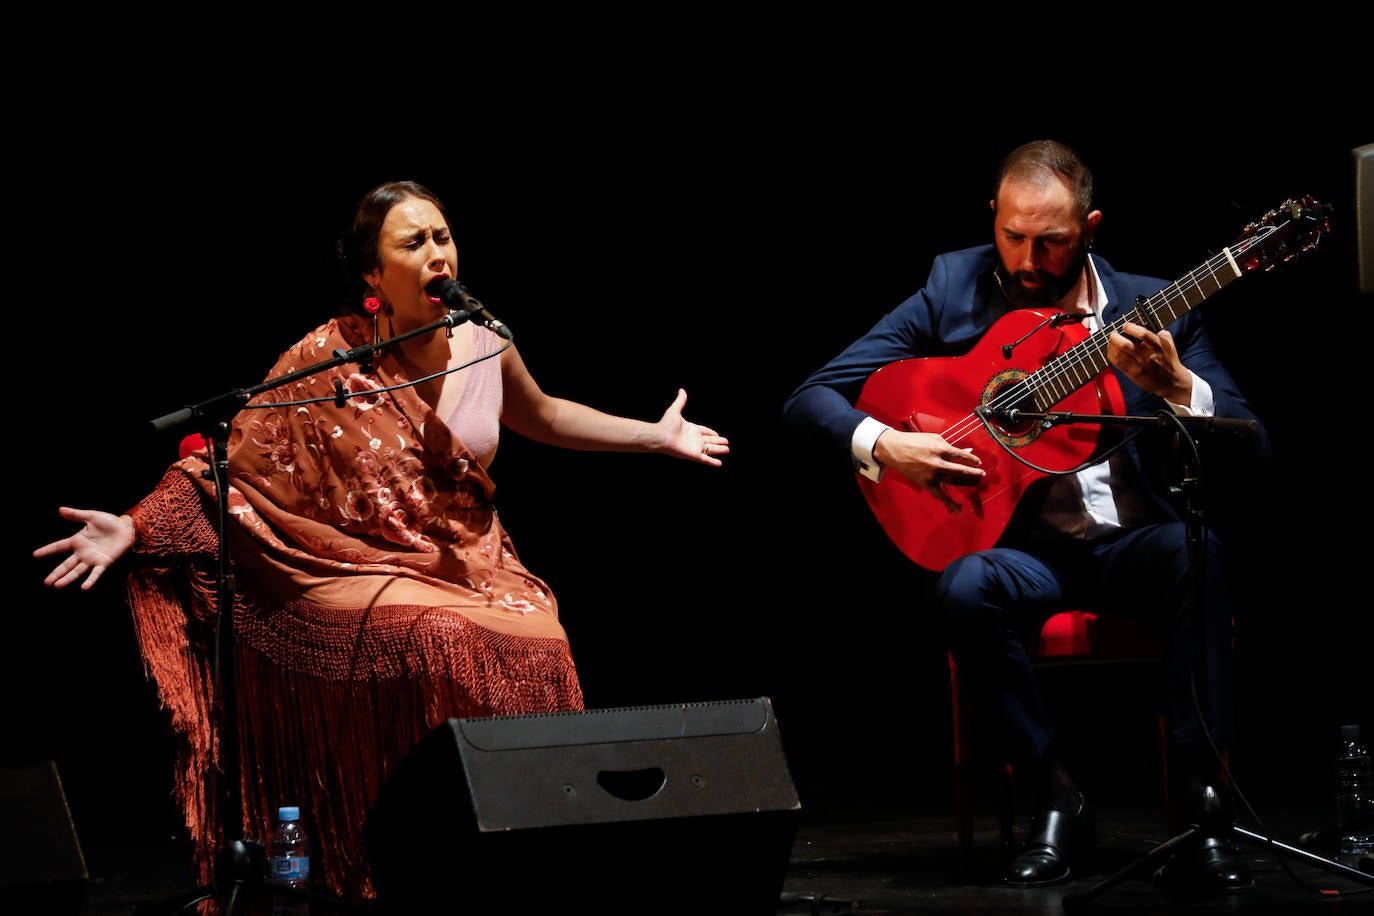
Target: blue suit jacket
{"type": "Point", "coordinates": [958, 303]}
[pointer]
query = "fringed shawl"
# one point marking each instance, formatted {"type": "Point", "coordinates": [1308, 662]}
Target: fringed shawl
{"type": "Point", "coordinates": [376, 595]}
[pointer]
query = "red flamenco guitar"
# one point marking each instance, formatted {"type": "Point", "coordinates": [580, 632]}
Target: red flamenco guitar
{"type": "Point", "coordinates": [1032, 360]}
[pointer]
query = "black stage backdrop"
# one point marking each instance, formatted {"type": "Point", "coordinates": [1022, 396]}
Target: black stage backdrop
{"type": "Point", "coordinates": [639, 233]}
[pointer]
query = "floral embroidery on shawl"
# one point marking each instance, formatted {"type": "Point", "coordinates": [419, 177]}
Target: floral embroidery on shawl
{"type": "Point", "coordinates": [377, 595]}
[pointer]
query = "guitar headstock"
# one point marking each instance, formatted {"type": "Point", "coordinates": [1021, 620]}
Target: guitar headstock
{"type": "Point", "coordinates": [1293, 228]}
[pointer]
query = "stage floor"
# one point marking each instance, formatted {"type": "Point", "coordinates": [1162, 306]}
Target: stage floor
{"type": "Point", "coordinates": [841, 861]}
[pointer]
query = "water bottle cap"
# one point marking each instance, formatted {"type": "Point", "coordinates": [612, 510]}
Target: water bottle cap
{"type": "Point", "coordinates": [289, 813]}
{"type": "Point", "coordinates": [1350, 731]}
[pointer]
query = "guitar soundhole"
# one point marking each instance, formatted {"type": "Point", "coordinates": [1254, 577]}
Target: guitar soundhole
{"type": "Point", "coordinates": [1004, 392]}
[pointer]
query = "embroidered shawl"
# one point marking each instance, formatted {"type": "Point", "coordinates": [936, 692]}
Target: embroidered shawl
{"type": "Point", "coordinates": [375, 594]}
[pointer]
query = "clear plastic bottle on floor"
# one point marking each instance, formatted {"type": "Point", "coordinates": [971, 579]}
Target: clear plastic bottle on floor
{"type": "Point", "coordinates": [1354, 798]}
{"type": "Point", "coordinates": [288, 863]}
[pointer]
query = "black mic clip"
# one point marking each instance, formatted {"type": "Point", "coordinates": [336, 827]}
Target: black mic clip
{"type": "Point", "coordinates": [364, 367]}
{"type": "Point", "coordinates": [464, 307]}
{"type": "Point", "coordinates": [1003, 418]}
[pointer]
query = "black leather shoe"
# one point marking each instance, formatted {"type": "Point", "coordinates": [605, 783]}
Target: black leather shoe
{"type": "Point", "coordinates": [1210, 863]}
{"type": "Point", "coordinates": [1058, 842]}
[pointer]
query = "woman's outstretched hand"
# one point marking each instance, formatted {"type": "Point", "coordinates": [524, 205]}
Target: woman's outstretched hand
{"type": "Point", "coordinates": [692, 440]}
{"type": "Point", "coordinates": [103, 539]}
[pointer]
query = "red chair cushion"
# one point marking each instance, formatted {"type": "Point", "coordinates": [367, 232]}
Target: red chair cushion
{"type": "Point", "coordinates": [1067, 633]}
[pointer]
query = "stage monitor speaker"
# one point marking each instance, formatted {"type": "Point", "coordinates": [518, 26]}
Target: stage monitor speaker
{"type": "Point", "coordinates": [42, 869]}
{"type": "Point", "coordinates": [653, 809]}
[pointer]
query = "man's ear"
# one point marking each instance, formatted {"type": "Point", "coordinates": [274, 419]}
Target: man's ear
{"type": "Point", "coordinates": [1090, 226]}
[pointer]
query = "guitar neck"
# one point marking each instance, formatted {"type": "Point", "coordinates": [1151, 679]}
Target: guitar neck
{"type": "Point", "coordinates": [1082, 363]}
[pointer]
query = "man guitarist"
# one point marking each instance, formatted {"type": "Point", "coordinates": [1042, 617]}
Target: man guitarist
{"type": "Point", "coordinates": [1106, 539]}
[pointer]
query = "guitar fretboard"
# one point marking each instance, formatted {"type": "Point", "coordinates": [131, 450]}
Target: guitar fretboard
{"type": "Point", "coordinates": [1078, 365]}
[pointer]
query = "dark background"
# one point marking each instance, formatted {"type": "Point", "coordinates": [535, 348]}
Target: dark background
{"type": "Point", "coordinates": [722, 222]}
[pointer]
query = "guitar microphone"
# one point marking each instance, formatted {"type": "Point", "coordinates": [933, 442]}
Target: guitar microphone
{"type": "Point", "coordinates": [1066, 317]}
{"type": "Point", "coordinates": [1000, 417]}
{"type": "Point", "coordinates": [452, 294]}
{"type": "Point", "coordinates": [1053, 321]}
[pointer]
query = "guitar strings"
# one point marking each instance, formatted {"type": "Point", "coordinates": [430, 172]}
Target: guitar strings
{"type": "Point", "coordinates": [1078, 365]}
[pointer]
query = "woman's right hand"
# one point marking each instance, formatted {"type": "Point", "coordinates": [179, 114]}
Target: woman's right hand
{"type": "Point", "coordinates": [103, 539]}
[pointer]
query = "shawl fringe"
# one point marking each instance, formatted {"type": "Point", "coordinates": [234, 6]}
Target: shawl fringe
{"type": "Point", "coordinates": [310, 729]}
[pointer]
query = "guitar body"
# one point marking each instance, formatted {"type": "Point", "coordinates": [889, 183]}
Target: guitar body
{"type": "Point", "coordinates": [1027, 363]}
{"type": "Point", "coordinates": [938, 395]}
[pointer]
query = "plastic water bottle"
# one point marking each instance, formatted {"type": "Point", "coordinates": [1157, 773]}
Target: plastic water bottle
{"type": "Point", "coordinates": [289, 863]}
{"type": "Point", "coordinates": [1354, 798]}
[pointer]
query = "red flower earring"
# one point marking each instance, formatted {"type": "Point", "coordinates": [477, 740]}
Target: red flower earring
{"type": "Point", "coordinates": [372, 305]}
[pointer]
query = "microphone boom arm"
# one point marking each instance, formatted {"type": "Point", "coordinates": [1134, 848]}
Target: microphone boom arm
{"type": "Point", "coordinates": [222, 407]}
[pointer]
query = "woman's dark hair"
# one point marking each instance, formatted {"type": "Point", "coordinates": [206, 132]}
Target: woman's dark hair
{"type": "Point", "coordinates": [358, 248]}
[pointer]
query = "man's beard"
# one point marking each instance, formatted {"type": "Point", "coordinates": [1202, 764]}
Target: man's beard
{"type": "Point", "coordinates": [1051, 288]}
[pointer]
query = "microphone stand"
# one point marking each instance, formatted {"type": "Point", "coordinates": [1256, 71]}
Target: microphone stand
{"type": "Point", "coordinates": [243, 862]}
{"type": "Point", "coordinates": [1192, 514]}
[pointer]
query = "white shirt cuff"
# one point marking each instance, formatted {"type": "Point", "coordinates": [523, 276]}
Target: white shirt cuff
{"type": "Point", "coordinates": [861, 446]}
{"type": "Point", "coordinates": [1203, 405]}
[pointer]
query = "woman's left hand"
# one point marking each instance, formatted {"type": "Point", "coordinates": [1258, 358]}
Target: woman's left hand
{"type": "Point", "coordinates": [691, 440]}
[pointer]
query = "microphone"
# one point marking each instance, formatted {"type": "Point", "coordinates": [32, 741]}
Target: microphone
{"type": "Point", "coordinates": [998, 415]}
{"type": "Point", "coordinates": [1067, 317]}
{"type": "Point", "coordinates": [452, 294]}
